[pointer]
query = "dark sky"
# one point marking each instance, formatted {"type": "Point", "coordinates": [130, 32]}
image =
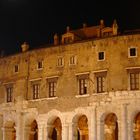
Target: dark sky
{"type": "Point", "coordinates": [36, 21]}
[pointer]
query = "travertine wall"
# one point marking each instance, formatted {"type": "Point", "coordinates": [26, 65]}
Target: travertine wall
{"type": "Point", "coordinates": [68, 105]}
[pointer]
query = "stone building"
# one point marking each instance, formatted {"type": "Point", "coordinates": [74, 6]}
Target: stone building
{"type": "Point", "coordinates": [86, 86]}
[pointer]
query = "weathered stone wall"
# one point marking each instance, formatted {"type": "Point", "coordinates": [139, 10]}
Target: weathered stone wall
{"type": "Point", "coordinates": [68, 105]}
{"type": "Point", "coordinates": [116, 61]}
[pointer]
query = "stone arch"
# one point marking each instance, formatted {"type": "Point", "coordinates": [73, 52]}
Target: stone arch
{"type": "Point", "coordinates": [136, 127]}
{"type": "Point", "coordinates": [31, 129]}
{"type": "Point", "coordinates": [51, 117]}
{"type": "Point", "coordinates": [80, 127]}
{"type": "Point", "coordinates": [54, 128]}
{"type": "Point", "coordinates": [110, 122]}
{"type": "Point", "coordinates": [9, 130]}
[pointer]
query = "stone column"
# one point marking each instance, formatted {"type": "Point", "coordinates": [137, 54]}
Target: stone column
{"type": "Point", "coordinates": [41, 132]}
{"type": "Point", "coordinates": [45, 133]}
{"type": "Point", "coordinates": [71, 131]}
{"type": "Point", "coordinates": [65, 132]}
{"type": "Point", "coordinates": [73, 134]}
{"type": "Point", "coordinates": [100, 130]}
{"type": "Point", "coordinates": [19, 127]}
{"type": "Point", "coordinates": [92, 124]}
{"type": "Point", "coordinates": [124, 122]}
{"type": "Point", "coordinates": [130, 130]}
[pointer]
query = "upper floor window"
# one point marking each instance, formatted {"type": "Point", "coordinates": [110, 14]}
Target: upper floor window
{"type": "Point", "coordinates": [52, 83]}
{"type": "Point", "coordinates": [9, 93]}
{"type": "Point", "coordinates": [72, 60]}
{"type": "Point", "coordinates": [39, 65]}
{"type": "Point", "coordinates": [83, 83]}
{"type": "Point", "coordinates": [133, 78]}
{"type": "Point", "coordinates": [100, 84]}
{"type": "Point", "coordinates": [52, 89]}
{"type": "Point", "coordinates": [134, 81]}
{"type": "Point", "coordinates": [16, 68]}
{"type": "Point", "coordinates": [132, 52]}
{"type": "Point", "coordinates": [36, 90]}
{"type": "Point", "coordinates": [60, 61]}
{"type": "Point", "coordinates": [101, 56]}
{"type": "Point", "coordinates": [100, 79]}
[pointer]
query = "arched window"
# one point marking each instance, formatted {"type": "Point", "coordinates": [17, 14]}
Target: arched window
{"type": "Point", "coordinates": [34, 131]}
{"type": "Point", "coordinates": [111, 127]}
{"type": "Point", "coordinates": [55, 129]}
{"type": "Point", "coordinates": [80, 128]}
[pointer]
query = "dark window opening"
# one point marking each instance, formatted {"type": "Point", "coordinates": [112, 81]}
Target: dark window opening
{"type": "Point", "coordinates": [101, 56]}
{"type": "Point", "coordinates": [16, 68]}
{"type": "Point", "coordinates": [132, 51]}
{"type": "Point", "coordinates": [40, 65]}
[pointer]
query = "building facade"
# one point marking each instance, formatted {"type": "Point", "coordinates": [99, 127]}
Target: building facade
{"type": "Point", "coordinates": [73, 90]}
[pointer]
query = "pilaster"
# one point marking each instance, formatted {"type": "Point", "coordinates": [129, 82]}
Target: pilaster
{"type": "Point", "coordinates": [41, 132]}
{"type": "Point", "coordinates": [19, 127]}
{"type": "Point", "coordinates": [124, 122]}
{"type": "Point", "coordinates": [92, 124]}
{"type": "Point", "coordinates": [65, 132]}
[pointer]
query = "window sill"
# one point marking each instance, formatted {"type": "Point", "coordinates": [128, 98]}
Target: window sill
{"type": "Point", "coordinates": [9, 104]}
{"type": "Point", "coordinates": [41, 99]}
{"type": "Point", "coordinates": [52, 98]}
{"type": "Point", "coordinates": [61, 66]}
{"type": "Point", "coordinates": [132, 56]}
{"type": "Point", "coordinates": [101, 60]}
{"type": "Point", "coordinates": [84, 95]}
{"type": "Point", "coordinates": [39, 69]}
{"type": "Point", "coordinates": [71, 65]}
{"type": "Point", "coordinates": [100, 93]}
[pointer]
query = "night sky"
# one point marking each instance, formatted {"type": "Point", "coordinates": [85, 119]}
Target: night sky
{"type": "Point", "coordinates": [36, 21]}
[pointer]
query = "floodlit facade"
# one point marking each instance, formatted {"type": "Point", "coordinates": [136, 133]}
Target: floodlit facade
{"type": "Point", "coordinates": [86, 86]}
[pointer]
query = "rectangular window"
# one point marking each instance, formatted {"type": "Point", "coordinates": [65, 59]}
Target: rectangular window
{"type": "Point", "coordinates": [9, 91]}
{"type": "Point", "coordinates": [134, 81]}
{"type": "Point", "coordinates": [83, 83]}
{"type": "Point", "coordinates": [52, 89]}
{"type": "Point", "coordinates": [132, 52]}
{"type": "Point", "coordinates": [39, 65]}
{"type": "Point", "coordinates": [72, 60]}
{"type": "Point", "coordinates": [101, 56]}
{"type": "Point", "coordinates": [16, 68]}
{"type": "Point", "coordinates": [100, 84]}
{"type": "Point", "coordinates": [82, 86]}
{"type": "Point", "coordinates": [100, 81]}
{"type": "Point", "coordinates": [60, 61]}
{"type": "Point", "coordinates": [36, 90]}
{"type": "Point", "coordinates": [51, 84]}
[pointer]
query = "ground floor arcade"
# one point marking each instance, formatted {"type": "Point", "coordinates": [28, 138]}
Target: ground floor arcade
{"type": "Point", "coordinates": [108, 122]}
